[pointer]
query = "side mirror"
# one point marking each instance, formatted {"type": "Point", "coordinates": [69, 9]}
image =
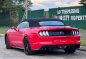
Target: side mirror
{"type": "Point", "coordinates": [13, 28]}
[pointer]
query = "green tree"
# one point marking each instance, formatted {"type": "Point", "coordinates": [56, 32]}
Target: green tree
{"type": "Point", "coordinates": [83, 2]}
{"type": "Point", "coordinates": [11, 6]}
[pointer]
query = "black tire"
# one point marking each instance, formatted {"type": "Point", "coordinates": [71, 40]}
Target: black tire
{"type": "Point", "coordinates": [27, 48]}
{"type": "Point", "coordinates": [7, 43]}
{"type": "Point", "coordinates": [70, 49]}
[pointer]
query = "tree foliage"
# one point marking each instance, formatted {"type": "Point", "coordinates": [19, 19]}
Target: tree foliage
{"type": "Point", "coordinates": [10, 5]}
{"type": "Point", "coordinates": [83, 2]}
{"type": "Point", "coordinates": [13, 7]}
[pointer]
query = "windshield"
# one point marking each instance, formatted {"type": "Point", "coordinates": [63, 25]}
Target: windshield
{"type": "Point", "coordinates": [51, 23]}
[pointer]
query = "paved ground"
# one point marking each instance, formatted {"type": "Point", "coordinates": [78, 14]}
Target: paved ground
{"type": "Point", "coordinates": [19, 54]}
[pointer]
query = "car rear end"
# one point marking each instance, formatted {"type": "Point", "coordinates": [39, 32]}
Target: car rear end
{"type": "Point", "coordinates": [54, 35]}
{"type": "Point", "coordinates": [57, 38]}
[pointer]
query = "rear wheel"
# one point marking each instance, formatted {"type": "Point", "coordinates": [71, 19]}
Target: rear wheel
{"type": "Point", "coordinates": [7, 43]}
{"type": "Point", "coordinates": [70, 49]}
{"type": "Point", "coordinates": [27, 48]}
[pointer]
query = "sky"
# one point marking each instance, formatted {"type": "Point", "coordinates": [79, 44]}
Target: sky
{"type": "Point", "coordinates": [46, 4]}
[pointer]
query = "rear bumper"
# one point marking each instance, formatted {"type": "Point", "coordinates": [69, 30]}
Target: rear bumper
{"type": "Point", "coordinates": [39, 42]}
{"type": "Point", "coordinates": [76, 46]}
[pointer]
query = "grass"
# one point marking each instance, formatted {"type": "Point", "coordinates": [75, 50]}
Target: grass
{"type": "Point", "coordinates": [3, 30]}
{"type": "Point", "coordinates": [82, 30]}
{"type": "Point", "coordinates": [83, 41]}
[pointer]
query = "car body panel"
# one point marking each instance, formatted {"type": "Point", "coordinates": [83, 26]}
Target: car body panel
{"type": "Point", "coordinates": [16, 37]}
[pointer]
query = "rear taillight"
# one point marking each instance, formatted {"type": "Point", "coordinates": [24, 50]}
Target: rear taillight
{"type": "Point", "coordinates": [58, 33]}
{"type": "Point", "coordinates": [75, 32]}
{"type": "Point", "coordinates": [44, 33]}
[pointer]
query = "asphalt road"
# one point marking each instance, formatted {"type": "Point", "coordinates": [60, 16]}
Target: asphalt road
{"type": "Point", "coordinates": [19, 54]}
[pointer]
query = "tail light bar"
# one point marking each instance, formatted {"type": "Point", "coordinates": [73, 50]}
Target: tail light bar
{"type": "Point", "coordinates": [44, 33]}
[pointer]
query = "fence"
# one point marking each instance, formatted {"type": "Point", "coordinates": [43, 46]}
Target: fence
{"type": "Point", "coordinates": [33, 14]}
{"type": "Point", "coordinates": [73, 16]}
{"type": "Point", "coordinates": [5, 19]}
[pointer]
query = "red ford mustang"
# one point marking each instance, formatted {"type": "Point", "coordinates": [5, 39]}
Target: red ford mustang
{"type": "Point", "coordinates": [43, 34]}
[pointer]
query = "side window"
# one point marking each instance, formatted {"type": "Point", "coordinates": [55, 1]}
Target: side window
{"type": "Point", "coordinates": [23, 25]}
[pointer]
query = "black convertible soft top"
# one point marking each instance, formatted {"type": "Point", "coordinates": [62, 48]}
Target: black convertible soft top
{"type": "Point", "coordinates": [34, 22]}
{"type": "Point", "coordinates": [42, 19]}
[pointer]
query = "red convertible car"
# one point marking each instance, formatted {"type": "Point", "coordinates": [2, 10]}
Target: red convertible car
{"type": "Point", "coordinates": [43, 34]}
